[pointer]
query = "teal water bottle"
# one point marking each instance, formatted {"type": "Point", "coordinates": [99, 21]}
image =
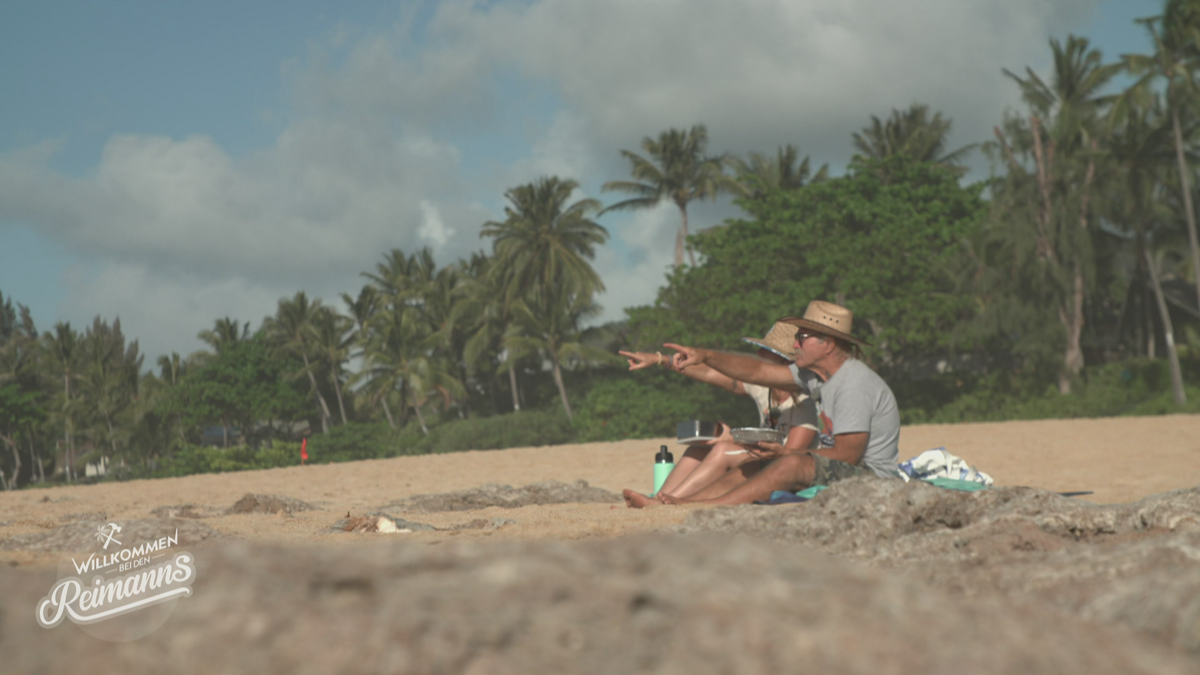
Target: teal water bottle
{"type": "Point", "coordinates": [664, 464]}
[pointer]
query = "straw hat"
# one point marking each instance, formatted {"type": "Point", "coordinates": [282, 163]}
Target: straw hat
{"type": "Point", "coordinates": [781, 340]}
{"type": "Point", "coordinates": [826, 318]}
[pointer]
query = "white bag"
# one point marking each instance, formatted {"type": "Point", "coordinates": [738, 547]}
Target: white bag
{"type": "Point", "coordinates": [937, 463]}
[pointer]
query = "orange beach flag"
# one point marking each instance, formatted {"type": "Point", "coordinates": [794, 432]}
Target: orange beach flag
{"type": "Point", "coordinates": [303, 451]}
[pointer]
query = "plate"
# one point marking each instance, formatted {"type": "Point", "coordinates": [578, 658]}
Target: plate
{"type": "Point", "coordinates": [751, 435]}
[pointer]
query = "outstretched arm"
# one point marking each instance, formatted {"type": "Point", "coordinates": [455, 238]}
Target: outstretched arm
{"type": "Point", "coordinates": [736, 366]}
{"type": "Point", "coordinates": [640, 360]}
{"type": "Point", "coordinates": [704, 373]}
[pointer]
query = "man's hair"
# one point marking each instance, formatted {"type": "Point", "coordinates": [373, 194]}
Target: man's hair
{"type": "Point", "coordinates": [847, 347]}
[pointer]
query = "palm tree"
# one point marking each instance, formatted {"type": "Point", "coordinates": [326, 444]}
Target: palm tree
{"type": "Point", "coordinates": [1152, 262]}
{"type": "Point", "coordinates": [171, 371]}
{"type": "Point", "coordinates": [1062, 135]}
{"type": "Point", "coordinates": [291, 327]}
{"type": "Point", "coordinates": [332, 335]}
{"type": "Point", "coordinates": [225, 331]}
{"type": "Point", "coordinates": [553, 328]}
{"type": "Point", "coordinates": [1141, 147]}
{"type": "Point", "coordinates": [544, 241]}
{"type": "Point", "coordinates": [444, 292]}
{"type": "Point", "coordinates": [676, 168]}
{"type": "Point", "coordinates": [399, 356]}
{"type": "Point", "coordinates": [542, 251]}
{"type": "Point", "coordinates": [404, 283]}
{"type": "Point", "coordinates": [62, 356]}
{"type": "Point", "coordinates": [18, 342]}
{"type": "Point", "coordinates": [19, 385]}
{"type": "Point", "coordinates": [109, 376]}
{"type": "Point", "coordinates": [910, 132]}
{"type": "Point", "coordinates": [362, 311]}
{"type": "Point", "coordinates": [362, 308]}
{"type": "Point", "coordinates": [402, 279]}
{"type": "Point", "coordinates": [486, 316]}
{"type": "Point", "coordinates": [1176, 57]}
{"type": "Point", "coordinates": [761, 173]}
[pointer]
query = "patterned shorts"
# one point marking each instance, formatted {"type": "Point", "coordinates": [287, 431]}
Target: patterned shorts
{"type": "Point", "coordinates": [832, 470]}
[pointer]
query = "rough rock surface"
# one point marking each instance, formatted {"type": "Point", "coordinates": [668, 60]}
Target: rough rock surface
{"type": "Point", "coordinates": [892, 521]}
{"type": "Point", "coordinates": [385, 524]}
{"type": "Point", "coordinates": [184, 511]}
{"type": "Point", "coordinates": [61, 539]}
{"type": "Point", "coordinates": [1134, 565]}
{"type": "Point", "coordinates": [506, 496]}
{"type": "Point", "coordinates": [252, 503]}
{"type": "Point", "coordinates": [665, 604]}
{"type": "Point", "coordinates": [485, 524]}
{"type": "Point", "coordinates": [377, 522]}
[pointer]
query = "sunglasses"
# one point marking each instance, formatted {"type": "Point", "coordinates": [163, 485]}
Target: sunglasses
{"type": "Point", "coordinates": [801, 337]}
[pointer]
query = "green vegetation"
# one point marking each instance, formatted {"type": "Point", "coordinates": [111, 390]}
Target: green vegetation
{"type": "Point", "coordinates": [1134, 387]}
{"type": "Point", "coordinates": [884, 239]}
{"type": "Point", "coordinates": [649, 407]}
{"type": "Point", "coordinates": [358, 441]}
{"type": "Point", "coordinates": [1067, 284]}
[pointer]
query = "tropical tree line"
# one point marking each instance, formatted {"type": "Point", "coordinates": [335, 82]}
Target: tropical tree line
{"type": "Point", "coordinates": [416, 339]}
{"type": "Point", "coordinates": [1079, 249]}
{"type": "Point", "coordinates": [1087, 251]}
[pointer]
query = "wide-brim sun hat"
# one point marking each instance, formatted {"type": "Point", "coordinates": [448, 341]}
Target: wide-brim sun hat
{"type": "Point", "coordinates": [780, 340]}
{"type": "Point", "coordinates": [826, 318]}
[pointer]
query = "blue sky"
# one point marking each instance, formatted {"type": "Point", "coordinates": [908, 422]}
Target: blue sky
{"type": "Point", "coordinates": [172, 163]}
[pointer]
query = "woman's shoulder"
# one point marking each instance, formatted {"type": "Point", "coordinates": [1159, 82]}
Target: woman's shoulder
{"type": "Point", "coordinates": [755, 389]}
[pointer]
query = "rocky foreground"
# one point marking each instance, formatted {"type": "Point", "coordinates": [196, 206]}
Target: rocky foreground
{"type": "Point", "coordinates": [869, 577]}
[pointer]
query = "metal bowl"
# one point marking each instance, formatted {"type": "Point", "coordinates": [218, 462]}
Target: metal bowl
{"type": "Point", "coordinates": [752, 435]}
{"type": "Point", "coordinates": [695, 431]}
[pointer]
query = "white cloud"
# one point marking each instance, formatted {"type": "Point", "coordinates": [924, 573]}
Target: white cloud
{"type": "Point", "coordinates": [324, 195]}
{"type": "Point", "coordinates": [433, 229]}
{"type": "Point", "coordinates": [394, 134]}
{"type": "Point", "coordinates": [635, 268]}
{"type": "Point", "coordinates": [163, 313]}
{"type": "Point", "coordinates": [311, 213]}
{"type": "Point", "coordinates": [758, 73]}
{"type": "Point", "coordinates": [564, 149]}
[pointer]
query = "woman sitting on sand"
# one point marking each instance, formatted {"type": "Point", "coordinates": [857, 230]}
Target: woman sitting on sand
{"type": "Point", "coordinates": [703, 464]}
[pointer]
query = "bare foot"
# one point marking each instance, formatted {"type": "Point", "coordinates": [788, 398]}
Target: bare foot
{"type": "Point", "coordinates": [637, 500]}
{"type": "Point", "coordinates": [669, 499]}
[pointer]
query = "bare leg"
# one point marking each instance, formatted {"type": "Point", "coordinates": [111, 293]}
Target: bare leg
{"type": "Point", "coordinates": [791, 473]}
{"type": "Point", "coordinates": [721, 485]}
{"type": "Point", "coordinates": [637, 500]}
{"type": "Point", "coordinates": [714, 466]}
{"type": "Point", "coordinates": [691, 459]}
{"type": "Point", "coordinates": [687, 464]}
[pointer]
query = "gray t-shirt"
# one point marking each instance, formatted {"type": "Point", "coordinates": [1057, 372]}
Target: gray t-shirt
{"type": "Point", "coordinates": [856, 399]}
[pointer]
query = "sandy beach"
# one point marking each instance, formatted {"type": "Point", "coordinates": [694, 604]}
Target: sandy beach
{"type": "Point", "coordinates": [1016, 579]}
{"type": "Point", "coordinates": [1117, 459]}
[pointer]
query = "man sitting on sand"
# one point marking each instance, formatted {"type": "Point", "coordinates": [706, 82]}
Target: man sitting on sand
{"type": "Point", "coordinates": [857, 409]}
{"type": "Point", "coordinates": [704, 464]}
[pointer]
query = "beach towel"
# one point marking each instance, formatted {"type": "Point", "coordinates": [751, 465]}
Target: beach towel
{"type": "Point", "coordinates": [936, 467]}
{"type": "Point", "coordinates": [937, 463]}
{"type": "Point", "coordinates": [783, 497]}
